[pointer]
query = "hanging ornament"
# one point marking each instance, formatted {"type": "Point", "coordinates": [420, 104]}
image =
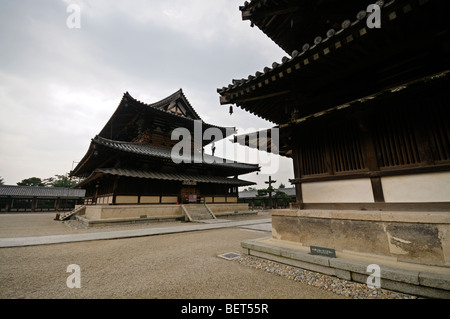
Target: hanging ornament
{"type": "Point", "coordinates": [231, 109]}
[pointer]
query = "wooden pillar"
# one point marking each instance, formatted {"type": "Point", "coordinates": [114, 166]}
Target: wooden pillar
{"type": "Point", "coordinates": [370, 159]}
{"type": "Point", "coordinates": [377, 189]}
{"type": "Point", "coordinates": [115, 188]}
{"type": "Point", "coordinates": [8, 205]}
{"type": "Point", "coordinates": [298, 174]}
{"type": "Point", "coordinates": [33, 204]}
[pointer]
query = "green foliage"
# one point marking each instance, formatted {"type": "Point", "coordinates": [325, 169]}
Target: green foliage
{"type": "Point", "coordinates": [282, 185]}
{"type": "Point", "coordinates": [56, 181]}
{"type": "Point", "coordinates": [261, 192]}
{"type": "Point", "coordinates": [281, 195]}
{"type": "Point", "coordinates": [32, 181]}
{"type": "Point", "coordinates": [60, 181]}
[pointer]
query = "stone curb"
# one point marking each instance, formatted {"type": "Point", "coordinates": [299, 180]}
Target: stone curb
{"type": "Point", "coordinates": [430, 285]}
{"type": "Point", "coordinates": [58, 239]}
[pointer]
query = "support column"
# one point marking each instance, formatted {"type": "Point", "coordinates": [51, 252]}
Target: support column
{"type": "Point", "coordinates": [297, 175]}
{"type": "Point", "coordinates": [115, 187]}
{"type": "Point", "coordinates": [370, 159]}
{"type": "Point", "coordinates": [33, 204]}
{"type": "Point", "coordinates": [8, 205]}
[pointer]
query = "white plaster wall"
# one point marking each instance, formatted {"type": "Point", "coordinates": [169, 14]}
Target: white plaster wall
{"type": "Point", "coordinates": [126, 200]}
{"type": "Point", "coordinates": [149, 200]}
{"type": "Point", "coordinates": [344, 191]}
{"type": "Point", "coordinates": [428, 187]}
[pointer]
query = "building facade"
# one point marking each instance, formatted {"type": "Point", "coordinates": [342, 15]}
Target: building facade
{"type": "Point", "coordinates": [364, 112]}
{"type": "Point", "coordinates": [136, 159]}
{"type": "Point", "coordinates": [39, 199]}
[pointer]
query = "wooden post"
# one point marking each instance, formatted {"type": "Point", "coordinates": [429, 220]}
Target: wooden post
{"type": "Point", "coordinates": [33, 204]}
{"type": "Point", "coordinates": [8, 205]}
{"type": "Point", "coordinates": [297, 175]}
{"type": "Point", "coordinates": [370, 159]}
{"type": "Point", "coordinates": [115, 187]}
{"type": "Point", "coordinates": [57, 203]}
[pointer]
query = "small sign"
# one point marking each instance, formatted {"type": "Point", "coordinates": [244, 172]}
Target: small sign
{"type": "Point", "coordinates": [323, 251]}
{"type": "Point", "coordinates": [192, 198]}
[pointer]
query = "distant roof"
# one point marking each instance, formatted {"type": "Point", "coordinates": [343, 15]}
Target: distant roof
{"type": "Point", "coordinates": [166, 176]}
{"type": "Point", "coordinates": [171, 112]}
{"type": "Point", "coordinates": [36, 191]}
{"type": "Point", "coordinates": [152, 151]}
{"type": "Point", "coordinates": [253, 193]}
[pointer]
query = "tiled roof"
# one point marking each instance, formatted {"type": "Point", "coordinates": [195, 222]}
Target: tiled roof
{"type": "Point", "coordinates": [301, 55]}
{"type": "Point", "coordinates": [325, 70]}
{"type": "Point", "coordinates": [157, 105]}
{"type": "Point", "coordinates": [36, 191]}
{"type": "Point", "coordinates": [165, 153]}
{"type": "Point", "coordinates": [131, 109]}
{"type": "Point", "coordinates": [170, 176]}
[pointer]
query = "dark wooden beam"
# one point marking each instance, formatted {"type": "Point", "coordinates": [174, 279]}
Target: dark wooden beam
{"type": "Point", "coordinates": [377, 189]}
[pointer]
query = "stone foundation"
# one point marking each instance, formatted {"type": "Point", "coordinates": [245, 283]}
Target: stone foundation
{"type": "Point", "coordinates": [414, 279]}
{"type": "Point", "coordinates": [411, 248]}
{"type": "Point", "coordinates": [414, 237]}
{"type": "Point", "coordinates": [96, 215]}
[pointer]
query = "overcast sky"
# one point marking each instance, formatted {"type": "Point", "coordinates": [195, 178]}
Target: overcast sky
{"type": "Point", "coordinates": [60, 85]}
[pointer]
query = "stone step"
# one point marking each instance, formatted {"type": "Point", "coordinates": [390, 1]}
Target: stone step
{"type": "Point", "coordinates": [198, 212]}
{"type": "Point", "coordinates": [74, 212]}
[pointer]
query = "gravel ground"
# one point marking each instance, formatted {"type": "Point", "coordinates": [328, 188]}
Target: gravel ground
{"type": "Point", "coordinates": [174, 266]}
{"type": "Point", "coordinates": [328, 283]}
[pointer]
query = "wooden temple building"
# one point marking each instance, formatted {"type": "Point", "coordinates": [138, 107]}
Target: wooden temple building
{"type": "Point", "coordinates": [365, 115]}
{"type": "Point", "coordinates": [130, 162]}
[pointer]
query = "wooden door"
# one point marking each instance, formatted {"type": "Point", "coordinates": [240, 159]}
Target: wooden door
{"type": "Point", "coordinates": [189, 194]}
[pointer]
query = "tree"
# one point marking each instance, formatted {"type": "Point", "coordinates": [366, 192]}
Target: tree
{"type": "Point", "coordinates": [282, 185]}
{"type": "Point", "coordinates": [282, 196]}
{"type": "Point", "coordinates": [261, 192]}
{"type": "Point", "coordinates": [32, 181]}
{"type": "Point", "coordinates": [60, 181]}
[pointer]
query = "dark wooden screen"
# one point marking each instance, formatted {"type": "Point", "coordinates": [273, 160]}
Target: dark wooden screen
{"type": "Point", "coordinates": [312, 155]}
{"type": "Point", "coordinates": [413, 135]}
{"type": "Point", "coordinates": [346, 151]}
{"type": "Point", "coordinates": [439, 126]}
{"type": "Point", "coordinates": [394, 139]}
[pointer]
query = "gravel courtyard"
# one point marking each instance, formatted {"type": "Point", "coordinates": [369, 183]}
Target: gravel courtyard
{"type": "Point", "coordinates": [174, 266]}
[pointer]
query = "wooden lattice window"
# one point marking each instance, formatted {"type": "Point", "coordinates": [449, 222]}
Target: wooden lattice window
{"type": "Point", "coordinates": [313, 156]}
{"type": "Point", "coordinates": [440, 131]}
{"type": "Point", "coordinates": [394, 139]}
{"type": "Point", "coordinates": [346, 150]}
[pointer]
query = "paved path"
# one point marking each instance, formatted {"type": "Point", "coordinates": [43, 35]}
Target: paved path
{"type": "Point", "coordinates": [257, 224]}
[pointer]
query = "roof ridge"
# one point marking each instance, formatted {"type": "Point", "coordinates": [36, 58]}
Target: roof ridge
{"type": "Point", "coordinates": [171, 97]}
